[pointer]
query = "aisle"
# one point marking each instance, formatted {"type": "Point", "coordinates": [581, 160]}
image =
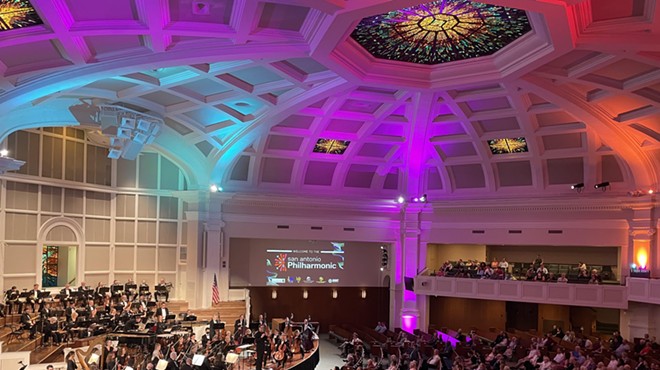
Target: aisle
{"type": "Point", "coordinates": [329, 356]}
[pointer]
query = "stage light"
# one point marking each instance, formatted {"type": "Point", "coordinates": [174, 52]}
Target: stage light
{"type": "Point", "coordinates": [305, 294]}
{"type": "Point", "coordinates": [415, 200]}
{"type": "Point", "coordinates": [651, 191]}
{"type": "Point", "coordinates": [4, 153]}
{"type": "Point", "coordinates": [423, 198]}
{"type": "Point", "coordinates": [215, 188]}
{"type": "Point", "coordinates": [363, 294]}
{"type": "Point", "coordinates": [633, 266]}
{"type": "Point", "coordinates": [382, 269]}
{"type": "Point", "coordinates": [400, 199]}
{"type": "Point", "coordinates": [274, 294]}
{"type": "Point", "coordinates": [334, 294]}
{"type": "Point", "coordinates": [578, 187]}
{"type": "Point", "coordinates": [603, 185]}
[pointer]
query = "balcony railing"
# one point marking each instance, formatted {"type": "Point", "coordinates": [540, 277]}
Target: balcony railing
{"type": "Point", "coordinates": [588, 295]}
{"type": "Point", "coordinates": [643, 290]}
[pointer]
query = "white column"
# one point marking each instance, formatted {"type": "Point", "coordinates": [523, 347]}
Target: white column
{"type": "Point", "coordinates": [413, 313]}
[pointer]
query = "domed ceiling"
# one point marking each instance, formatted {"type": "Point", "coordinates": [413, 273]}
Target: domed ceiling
{"type": "Point", "coordinates": [503, 99]}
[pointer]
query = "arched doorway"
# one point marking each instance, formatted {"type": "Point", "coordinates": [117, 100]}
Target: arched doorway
{"type": "Point", "coordinates": [60, 253]}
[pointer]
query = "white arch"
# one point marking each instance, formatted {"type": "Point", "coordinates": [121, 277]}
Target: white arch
{"type": "Point", "coordinates": [79, 243]}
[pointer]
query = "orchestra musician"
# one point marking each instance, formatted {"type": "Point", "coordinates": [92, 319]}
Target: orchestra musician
{"type": "Point", "coordinates": [239, 324]}
{"type": "Point", "coordinates": [33, 298]}
{"type": "Point", "coordinates": [70, 362]}
{"type": "Point", "coordinates": [163, 310]}
{"type": "Point", "coordinates": [282, 353]}
{"type": "Point", "coordinates": [49, 330]}
{"type": "Point", "coordinates": [11, 298]}
{"type": "Point", "coordinates": [163, 291]}
{"type": "Point", "coordinates": [66, 293]}
{"type": "Point", "coordinates": [189, 316]}
{"type": "Point", "coordinates": [27, 323]}
{"type": "Point", "coordinates": [214, 323]}
{"type": "Point", "coordinates": [133, 323]}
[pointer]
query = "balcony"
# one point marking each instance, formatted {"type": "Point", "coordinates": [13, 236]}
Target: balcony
{"type": "Point", "coordinates": [643, 290]}
{"type": "Point", "coordinates": [606, 296]}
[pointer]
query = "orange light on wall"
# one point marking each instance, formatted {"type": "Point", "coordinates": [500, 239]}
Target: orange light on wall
{"type": "Point", "coordinates": [642, 249]}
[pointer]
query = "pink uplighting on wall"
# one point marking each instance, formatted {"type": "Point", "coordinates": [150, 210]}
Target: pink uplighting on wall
{"type": "Point", "coordinates": [409, 323]}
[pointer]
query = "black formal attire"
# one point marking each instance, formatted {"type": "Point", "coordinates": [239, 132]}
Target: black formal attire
{"type": "Point", "coordinates": [33, 298]}
{"type": "Point", "coordinates": [12, 301]}
{"type": "Point", "coordinates": [26, 324]}
{"type": "Point", "coordinates": [163, 312]}
{"type": "Point", "coordinates": [50, 331]}
{"type": "Point", "coordinates": [66, 294]}
{"type": "Point", "coordinates": [206, 338]}
{"type": "Point", "coordinates": [71, 365]}
{"type": "Point", "coordinates": [162, 293]}
{"type": "Point", "coordinates": [260, 341]}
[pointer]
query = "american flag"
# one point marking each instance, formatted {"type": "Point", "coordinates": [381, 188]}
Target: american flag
{"type": "Point", "coordinates": [215, 293]}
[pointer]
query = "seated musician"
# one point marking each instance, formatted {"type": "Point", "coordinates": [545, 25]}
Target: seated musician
{"type": "Point", "coordinates": [85, 290]}
{"type": "Point", "coordinates": [131, 293]}
{"type": "Point", "coordinates": [123, 303]}
{"type": "Point", "coordinates": [133, 323]}
{"type": "Point", "coordinates": [11, 298]}
{"type": "Point", "coordinates": [214, 323]}
{"type": "Point", "coordinates": [69, 310]}
{"type": "Point", "coordinates": [66, 293]}
{"type": "Point", "coordinates": [188, 316]}
{"type": "Point", "coordinates": [98, 294]}
{"type": "Point", "coordinates": [50, 327]}
{"type": "Point", "coordinates": [33, 298]}
{"type": "Point", "coordinates": [206, 338]}
{"type": "Point", "coordinates": [117, 290]}
{"type": "Point", "coordinates": [27, 323]}
{"type": "Point", "coordinates": [162, 290]}
{"type": "Point", "coordinates": [46, 311]}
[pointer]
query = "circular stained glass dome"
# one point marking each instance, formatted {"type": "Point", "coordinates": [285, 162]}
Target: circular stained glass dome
{"type": "Point", "coordinates": [441, 31]}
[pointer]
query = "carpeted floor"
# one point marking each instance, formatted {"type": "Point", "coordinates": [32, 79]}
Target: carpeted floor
{"type": "Point", "coordinates": [329, 354]}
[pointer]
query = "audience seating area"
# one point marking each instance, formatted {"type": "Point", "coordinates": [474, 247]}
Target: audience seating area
{"type": "Point", "coordinates": [488, 350]}
{"type": "Point", "coordinates": [527, 271]}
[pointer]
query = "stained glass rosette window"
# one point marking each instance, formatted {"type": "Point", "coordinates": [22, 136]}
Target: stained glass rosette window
{"type": "Point", "coordinates": [331, 146]}
{"type": "Point", "coordinates": [508, 145]}
{"type": "Point", "coordinates": [441, 31]}
{"type": "Point", "coordinates": [17, 14]}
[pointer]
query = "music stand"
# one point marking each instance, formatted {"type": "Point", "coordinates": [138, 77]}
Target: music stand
{"type": "Point", "coordinates": [254, 326]}
{"type": "Point", "coordinates": [104, 290]}
{"type": "Point", "coordinates": [44, 294]}
{"type": "Point", "coordinates": [116, 288]}
{"type": "Point", "coordinates": [131, 286]}
{"type": "Point", "coordinates": [144, 288]}
{"type": "Point", "coordinates": [219, 326]}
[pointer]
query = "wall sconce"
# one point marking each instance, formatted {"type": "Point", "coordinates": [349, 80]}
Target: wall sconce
{"type": "Point", "coordinates": [334, 293]}
{"type": "Point", "coordinates": [363, 294]}
{"type": "Point", "coordinates": [273, 294]}
{"type": "Point", "coordinates": [305, 294]}
{"type": "Point", "coordinates": [602, 186]}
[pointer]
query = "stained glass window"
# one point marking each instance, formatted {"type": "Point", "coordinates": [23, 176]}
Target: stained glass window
{"type": "Point", "coordinates": [17, 14]}
{"type": "Point", "coordinates": [49, 262]}
{"type": "Point", "coordinates": [331, 146]}
{"type": "Point", "coordinates": [508, 145]}
{"type": "Point", "coordinates": [441, 31]}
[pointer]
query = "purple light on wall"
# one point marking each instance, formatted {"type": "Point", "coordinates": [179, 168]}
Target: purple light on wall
{"type": "Point", "coordinates": [408, 323]}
